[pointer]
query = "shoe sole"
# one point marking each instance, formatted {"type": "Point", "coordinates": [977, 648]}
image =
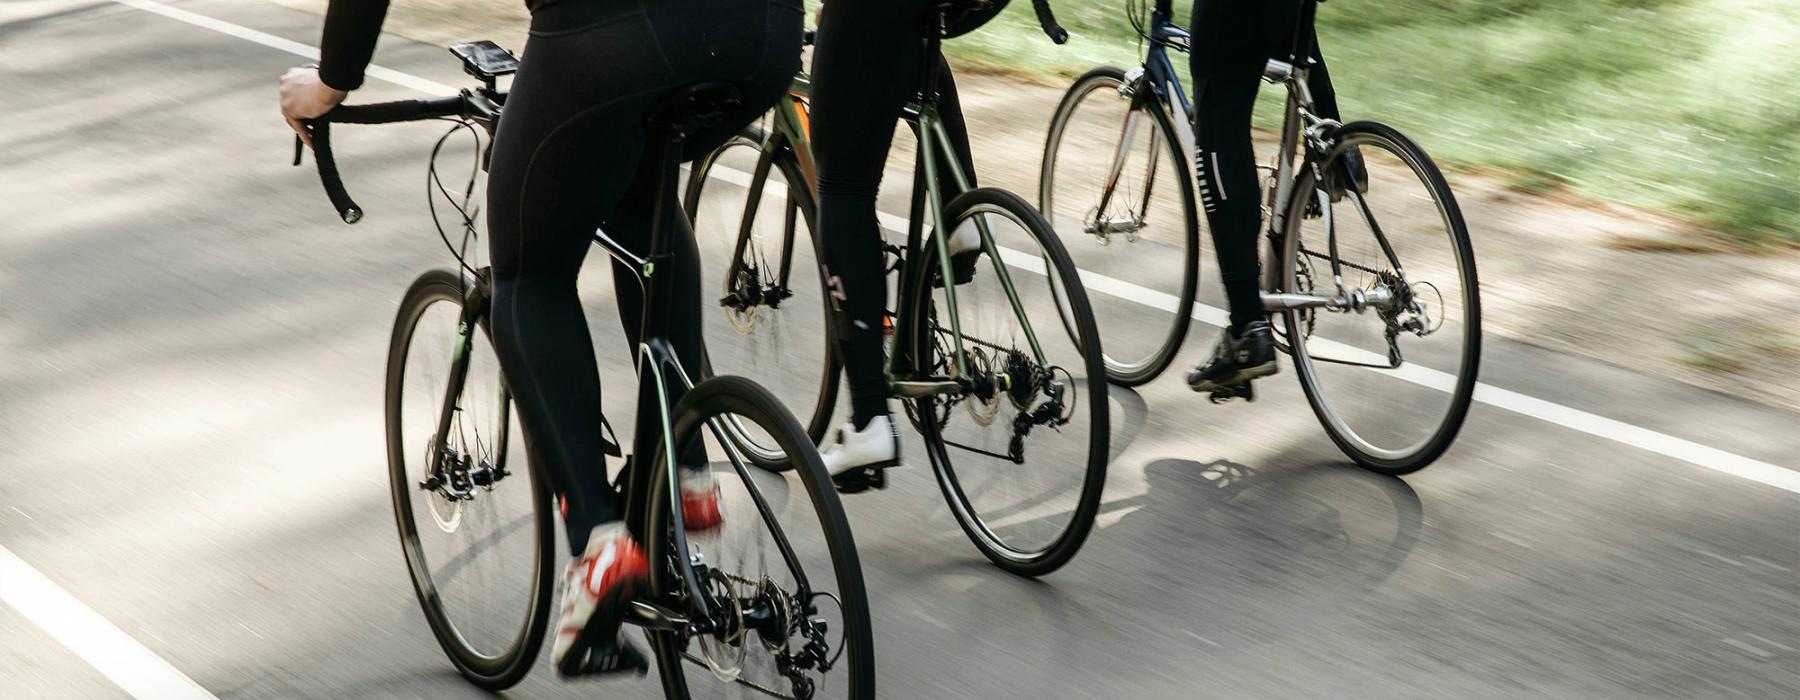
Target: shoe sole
{"type": "Point", "coordinates": [962, 268]}
{"type": "Point", "coordinates": [1242, 375]}
{"type": "Point", "coordinates": [864, 478]}
{"type": "Point", "coordinates": [596, 628]}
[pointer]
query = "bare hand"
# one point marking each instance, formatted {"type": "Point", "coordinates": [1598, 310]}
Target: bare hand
{"type": "Point", "coordinates": [305, 96]}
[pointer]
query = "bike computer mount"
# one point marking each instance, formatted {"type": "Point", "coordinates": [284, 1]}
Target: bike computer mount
{"type": "Point", "coordinates": [486, 60]}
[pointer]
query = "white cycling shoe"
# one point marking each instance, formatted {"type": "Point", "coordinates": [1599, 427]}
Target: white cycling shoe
{"type": "Point", "coordinates": [859, 459]}
{"type": "Point", "coordinates": [965, 252]}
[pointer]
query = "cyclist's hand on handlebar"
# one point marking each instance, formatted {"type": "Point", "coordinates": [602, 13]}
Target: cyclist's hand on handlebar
{"type": "Point", "coordinates": [305, 96]}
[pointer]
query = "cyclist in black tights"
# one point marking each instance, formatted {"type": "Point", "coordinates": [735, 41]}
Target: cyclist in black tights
{"type": "Point", "coordinates": [569, 157]}
{"type": "Point", "coordinates": [1231, 42]}
{"type": "Point", "coordinates": [866, 66]}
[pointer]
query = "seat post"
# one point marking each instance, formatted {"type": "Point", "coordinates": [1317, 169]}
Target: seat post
{"type": "Point", "coordinates": [928, 65]}
{"type": "Point", "coordinates": [667, 145]}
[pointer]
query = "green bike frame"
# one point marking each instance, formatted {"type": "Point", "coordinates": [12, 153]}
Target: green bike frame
{"type": "Point", "coordinates": [791, 132]}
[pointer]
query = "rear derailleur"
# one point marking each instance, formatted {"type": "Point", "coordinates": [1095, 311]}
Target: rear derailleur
{"type": "Point", "coordinates": [1053, 412]}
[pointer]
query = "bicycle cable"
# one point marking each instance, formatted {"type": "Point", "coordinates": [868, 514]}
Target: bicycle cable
{"type": "Point", "coordinates": [463, 209]}
{"type": "Point", "coordinates": [1136, 12]}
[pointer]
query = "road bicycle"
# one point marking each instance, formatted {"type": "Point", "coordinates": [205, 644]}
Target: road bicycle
{"type": "Point", "coordinates": [775, 602]}
{"type": "Point", "coordinates": [1014, 420]}
{"type": "Point", "coordinates": [1115, 178]}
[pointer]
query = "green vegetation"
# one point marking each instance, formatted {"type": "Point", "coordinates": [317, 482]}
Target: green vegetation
{"type": "Point", "coordinates": [1686, 106]}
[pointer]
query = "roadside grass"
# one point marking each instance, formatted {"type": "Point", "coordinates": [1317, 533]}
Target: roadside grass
{"type": "Point", "coordinates": [1684, 106]}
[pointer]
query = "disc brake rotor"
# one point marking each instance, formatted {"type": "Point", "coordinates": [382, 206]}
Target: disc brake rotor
{"type": "Point", "coordinates": [724, 656]}
{"type": "Point", "coordinates": [743, 316]}
{"type": "Point", "coordinates": [446, 511]}
{"type": "Point", "coordinates": [981, 409]}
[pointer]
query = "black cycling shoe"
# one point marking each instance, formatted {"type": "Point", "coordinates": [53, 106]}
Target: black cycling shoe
{"type": "Point", "coordinates": [1237, 359]}
{"type": "Point", "coordinates": [962, 265]}
{"type": "Point", "coordinates": [965, 253]}
{"type": "Point", "coordinates": [1346, 173]}
{"type": "Point", "coordinates": [1351, 173]}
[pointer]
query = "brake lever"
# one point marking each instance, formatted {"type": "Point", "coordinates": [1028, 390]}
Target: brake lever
{"type": "Point", "coordinates": [299, 149]}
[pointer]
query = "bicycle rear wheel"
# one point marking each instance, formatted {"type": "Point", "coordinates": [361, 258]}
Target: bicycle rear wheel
{"type": "Point", "coordinates": [1022, 458]}
{"type": "Point", "coordinates": [769, 316]}
{"type": "Point", "coordinates": [790, 616]}
{"type": "Point", "coordinates": [1115, 186]}
{"type": "Point", "coordinates": [474, 520]}
{"type": "Point", "coordinates": [1391, 381]}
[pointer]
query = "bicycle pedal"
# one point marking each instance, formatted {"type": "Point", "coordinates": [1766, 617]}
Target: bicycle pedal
{"type": "Point", "coordinates": [862, 479]}
{"type": "Point", "coordinates": [617, 657]}
{"type": "Point", "coordinates": [1245, 391]}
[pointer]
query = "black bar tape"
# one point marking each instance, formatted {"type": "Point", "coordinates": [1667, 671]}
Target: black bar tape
{"type": "Point", "coordinates": [328, 173]}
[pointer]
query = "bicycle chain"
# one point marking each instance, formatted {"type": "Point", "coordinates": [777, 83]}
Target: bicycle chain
{"type": "Point", "coordinates": [740, 681]}
{"type": "Point", "coordinates": [1305, 251]}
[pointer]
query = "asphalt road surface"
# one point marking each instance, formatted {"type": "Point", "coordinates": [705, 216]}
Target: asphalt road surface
{"type": "Point", "coordinates": [195, 498]}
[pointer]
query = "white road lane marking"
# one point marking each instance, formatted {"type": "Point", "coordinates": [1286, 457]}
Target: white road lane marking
{"type": "Point", "coordinates": [282, 44]}
{"type": "Point", "coordinates": [108, 649]}
{"type": "Point", "coordinates": [1581, 421]}
{"type": "Point", "coordinates": [143, 674]}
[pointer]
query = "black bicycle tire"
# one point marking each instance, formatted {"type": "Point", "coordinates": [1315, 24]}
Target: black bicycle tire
{"type": "Point", "coordinates": [818, 423]}
{"type": "Point", "coordinates": [1066, 109]}
{"type": "Point", "coordinates": [507, 670]}
{"type": "Point", "coordinates": [1087, 507]}
{"type": "Point", "coordinates": [1463, 393]}
{"type": "Point", "coordinates": [739, 395]}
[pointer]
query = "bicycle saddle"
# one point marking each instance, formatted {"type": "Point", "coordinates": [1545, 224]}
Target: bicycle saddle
{"type": "Point", "coordinates": [695, 107]}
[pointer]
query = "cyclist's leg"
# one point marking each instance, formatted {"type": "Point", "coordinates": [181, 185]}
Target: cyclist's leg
{"type": "Point", "coordinates": [864, 68]}
{"type": "Point", "coordinates": [1227, 68]}
{"type": "Point", "coordinates": [1225, 164]}
{"type": "Point", "coordinates": [1323, 92]}
{"type": "Point", "coordinates": [563, 157]}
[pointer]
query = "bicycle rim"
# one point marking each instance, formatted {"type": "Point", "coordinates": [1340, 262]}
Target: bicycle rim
{"type": "Point", "coordinates": [479, 562]}
{"type": "Point", "coordinates": [750, 329]}
{"type": "Point", "coordinates": [783, 540]}
{"type": "Point", "coordinates": [1390, 419]}
{"type": "Point", "coordinates": [1115, 187]}
{"type": "Point", "coordinates": [1027, 510]}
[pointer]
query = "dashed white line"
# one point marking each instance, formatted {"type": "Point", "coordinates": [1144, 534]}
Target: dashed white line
{"type": "Point", "coordinates": [1748, 648]}
{"type": "Point", "coordinates": [1770, 642]}
{"type": "Point", "coordinates": [1190, 633]}
{"type": "Point", "coordinates": [1719, 557]}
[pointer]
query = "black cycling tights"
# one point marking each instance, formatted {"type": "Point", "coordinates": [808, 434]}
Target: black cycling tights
{"type": "Point", "coordinates": [865, 67]}
{"type": "Point", "coordinates": [1232, 41]}
{"type": "Point", "coordinates": [569, 158]}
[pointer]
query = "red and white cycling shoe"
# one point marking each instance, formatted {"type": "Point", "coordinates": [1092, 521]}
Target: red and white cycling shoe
{"type": "Point", "coordinates": [700, 509]}
{"type": "Point", "coordinates": [596, 589]}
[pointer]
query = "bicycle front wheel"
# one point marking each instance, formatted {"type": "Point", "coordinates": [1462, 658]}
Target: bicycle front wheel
{"type": "Point", "coordinates": [1390, 374]}
{"type": "Point", "coordinates": [779, 582]}
{"type": "Point", "coordinates": [768, 316]}
{"type": "Point", "coordinates": [1021, 454]}
{"type": "Point", "coordinates": [1115, 186]}
{"type": "Point", "coordinates": [474, 520]}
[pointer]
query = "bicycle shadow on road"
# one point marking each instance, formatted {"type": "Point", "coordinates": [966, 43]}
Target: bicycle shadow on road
{"type": "Point", "coordinates": [1265, 551]}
